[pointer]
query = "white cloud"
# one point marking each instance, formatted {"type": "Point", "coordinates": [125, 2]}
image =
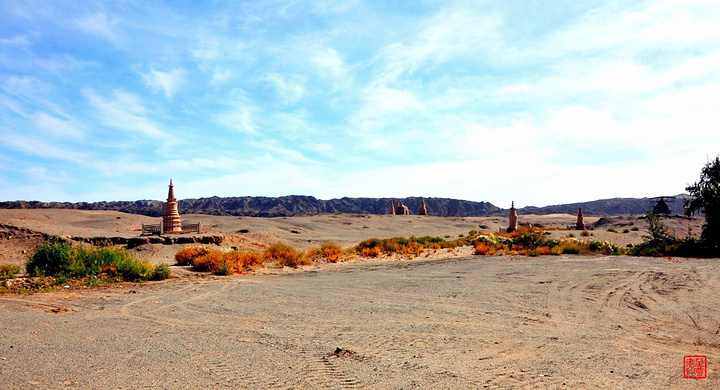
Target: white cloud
{"type": "Point", "coordinates": [36, 146]}
{"type": "Point", "coordinates": [124, 111]}
{"type": "Point", "coordinates": [133, 167]}
{"type": "Point", "coordinates": [240, 119]}
{"type": "Point", "coordinates": [99, 25]}
{"type": "Point", "coordinates": [55, 126]}
{"type": "Point", "coordinates": [167, 82]}
{"type": "Point", "coordinates": [17, 40]}
{"type": "Point", "coordinates": [289, 88]}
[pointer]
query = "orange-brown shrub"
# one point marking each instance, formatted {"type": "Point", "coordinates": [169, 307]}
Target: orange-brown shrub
{"type": "Point", "coordinates": [331, 252]}
{"type": "Point", "coordinates": [349, 253]}
{"type": "Point", "coordinates": [413, 248]}
{"type": "Point", "coordinates": [543, 250]}
{"type": "Point", "coordinates": [283, 255]}
{"type": "Point", "coordinates": [236, 261]}
{"type": "Point", "coordinates": [484, 248]}
{"type": "Point", "coordinates": [370, 252]}
{"type": "Point", "coordinates": [207, 262]}
{"type": "Point", "coordinates": [187, 255]}
{"type": "Point", "coordinates": [314, 254]}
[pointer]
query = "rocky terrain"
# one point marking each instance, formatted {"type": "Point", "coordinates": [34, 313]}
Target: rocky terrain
{"type": "Point", "coordinates": [295, 205]}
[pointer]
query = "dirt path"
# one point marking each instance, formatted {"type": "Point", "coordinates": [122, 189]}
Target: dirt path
{"type": "Point", "coordinates": [469, 322]}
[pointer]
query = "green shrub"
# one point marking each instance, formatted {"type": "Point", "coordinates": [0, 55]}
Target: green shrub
{"type": "Point", "coordinates": [529, 237]}
{"type": "Point", "coordinates": [635, 228]}
{"type": "Point", "coordinates": [61, 260]}
{"type": "Point", "coordinates": [161, 272]}
{"type": "Point", "coordinates": [585, 233]}
{"type": "Point", "coordinates": [8, 271]}
{"type": "Point", "coordinates": [51, 257]}
{"type": "Point", "coordinates": [135, 270]}
{"type": "Point", "coordinates": [612, 230]}
{"type": "Point", "coordinates": [626, 231]}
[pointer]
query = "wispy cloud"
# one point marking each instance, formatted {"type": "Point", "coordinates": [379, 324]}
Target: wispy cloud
{"type": "Point", "coordinates": [35, 146]}
{"type": "Point", "coordinates": [100, 25]}
{"type": "Point", "coordinates": [123, 110]}
{"type": "Point", "coordinates": [55, 126]}
{"type": "Point", "coordinates": [289, 89]}
{"type": "Point", "coordinates": [166, 82]}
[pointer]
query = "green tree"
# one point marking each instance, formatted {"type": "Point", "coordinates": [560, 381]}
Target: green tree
{"type": "Point", "coordinates": [658, 230]}
{"type": "Point", "coordinates": [705, 197]}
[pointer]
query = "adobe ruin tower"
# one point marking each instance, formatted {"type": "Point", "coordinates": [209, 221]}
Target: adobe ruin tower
{"type": "Point", "coordinates": [580, 222]}
{"type": "Point", "coordinates": [171, 216]}
{"type": "Point", "coordinates": [512, 218]}
{"type": "Point", "coordinates": [392, 207]}
{"type": "Point", "coordinates": [423, 210]}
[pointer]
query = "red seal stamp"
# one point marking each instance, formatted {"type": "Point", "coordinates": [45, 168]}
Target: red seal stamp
{"type": "Point", "coordinates": [695, 367]}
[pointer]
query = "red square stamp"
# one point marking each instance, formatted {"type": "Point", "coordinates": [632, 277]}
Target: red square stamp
{"type": "Point", "coordinates": [695, 367]}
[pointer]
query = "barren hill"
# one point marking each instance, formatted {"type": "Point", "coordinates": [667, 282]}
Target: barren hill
{"type": "Point", "coordinates": [297, 205]}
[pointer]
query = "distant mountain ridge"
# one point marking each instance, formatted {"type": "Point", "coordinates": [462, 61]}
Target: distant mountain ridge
{"type": "Point", "coordinates": [298, 205]}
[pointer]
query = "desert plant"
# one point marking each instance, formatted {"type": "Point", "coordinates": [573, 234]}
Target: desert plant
{"type": "Point", "coordinates": [51, 258]}
{"type": "Point", "coordinates": [349, 253]}
{"type": "Point", "coordinates": [61, 260]}
{"type": "Point", "coordinates": [187, 255]}
{"type": "Point", "coordinates": [612, 230]}
{"type": "Point", "coordinates": [658, 231]}
{"type": "Point", "coordinates": [331, 252]}
{"type": "Point", "coordinates": [626, 231]}
{"type": "Point", "coordinates": [252, 260]}
{"type": "Point", "coordinates": [8, 271]}
{"type": "Point", "coordinates": [529, 237]}
{"type": "Point", "coordinates": [161, 272]}
{"type": "Point", "coordinates": [370, 252]}
{"type": "Point", "coordinates": [585, 233]}
{"type": "Point", "coordinates": [283, 255]}
{"type": "Point", "coordinates": [135, 270]}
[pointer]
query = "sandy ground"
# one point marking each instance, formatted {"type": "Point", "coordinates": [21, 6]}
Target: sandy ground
{"type": "Point", "coordinates": [464, 322]}
{"type": "Point", "coordinates": [443, 320]}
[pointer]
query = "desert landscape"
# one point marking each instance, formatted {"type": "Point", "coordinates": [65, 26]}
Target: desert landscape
{"type": "Point", "coordinates": [445, 319]}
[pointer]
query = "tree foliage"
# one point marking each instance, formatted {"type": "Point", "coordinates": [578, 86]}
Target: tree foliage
{"type": "Point", "coordinates": [705, 197]}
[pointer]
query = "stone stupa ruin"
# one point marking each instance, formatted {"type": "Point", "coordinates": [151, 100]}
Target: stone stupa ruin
{"type": "Point", "coordinates": [423, 209]}
{"type": "Point", "coordinates": [398, 209]}
{"type": "Point", "coordinates": [171, 216]}
{"type": "Point", "coordinates": [580, 225]}
{"type": "Point", "coordinates": [171, 222]}
{"type": "Point", "coordinates": [512, 219]}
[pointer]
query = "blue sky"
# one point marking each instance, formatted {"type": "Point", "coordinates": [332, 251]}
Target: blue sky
{"type": "Point", "coordinates": [481, 100]}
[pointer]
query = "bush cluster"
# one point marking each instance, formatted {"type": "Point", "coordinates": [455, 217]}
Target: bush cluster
{"type": "Point", "coordinates": [60, 259]}
{"type": "Point", "coordinates": [220, 262]}
{"type": "Point", "coordinates": [205, 259]}
{"type": "Point", "coordinates": [8, 271]}
{"type": "Point", "coordinates": [532, 241]}
{"type": "Point", "coordinates": [412, 246]}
